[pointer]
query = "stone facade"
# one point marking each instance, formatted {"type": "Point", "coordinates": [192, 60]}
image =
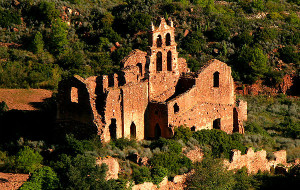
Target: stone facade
{"type": "Point", "coordinates": [153, 93]}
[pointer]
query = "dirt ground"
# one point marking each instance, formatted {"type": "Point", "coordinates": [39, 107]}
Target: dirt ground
{"type": "Point", "coordinates": [9, 181]}
{"type": "Point", "coordinates": [23, 99]}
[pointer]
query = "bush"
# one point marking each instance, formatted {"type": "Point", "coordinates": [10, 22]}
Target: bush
{"type": "Point", "coordinates": [194, 42]}
{"type": "Point", "coordinates": [28, 160]}
{"type": "Point", "coordinates": [158, 173]}
{"type": "Point", "coordinates": [183, 133]}
{"type": "Point", "coordinates": [211, 174]}
{"type": "Point", "coordinates": [122, 143]}
{"type": "Point", "coordinates": [172, 162]}
{"type": "Point", "coordinates": [9, 17]}
{"type": "Point", "coordinates": [220, 142]}
{"type": "Point", "coordinates": [170, 145]}
{"type": "Point", "coordinates": [44, 178]}
{"type": "Point", "coordinates": [141, 174]}
{"type": "Point", "coordinates": [289, 54]}
{"type": "Point", "coordinates": [221, 32]}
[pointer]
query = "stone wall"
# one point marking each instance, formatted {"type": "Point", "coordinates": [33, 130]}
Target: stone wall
{"type": "Point", "coordinates": [255, 161]}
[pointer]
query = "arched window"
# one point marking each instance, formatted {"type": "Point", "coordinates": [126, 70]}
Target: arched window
{"type": "Point", "coordinates": [157, 131]}
{"type": "Point", "coordinates": [140, 68]}
{"type": "Point", "coordinates": [193, 128]}
{"type": "Point", "coordinates": [113, 129]}
{"type": "Point", "coordinates": [176, 108]}
{"type": "Point", "coordinates": [132, 131]}
{"type": "Point", "coordinates": [216, 79]}
{"type": "Point", "coordinates": [168, 39]}
{"type": "Point", "coordinates": [217, 123]}
{"type": "Point", "coordinates": [169, 61]}
{"type": "Point", "coordinates": [74, 95]}
{"type": "Point", "coordinates": [159, 61]}
{"type": "Point", "coordinates": [159, 41]}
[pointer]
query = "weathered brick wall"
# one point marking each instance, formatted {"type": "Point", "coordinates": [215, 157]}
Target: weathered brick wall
{"type": "Point", "coordinates": [224, 94]}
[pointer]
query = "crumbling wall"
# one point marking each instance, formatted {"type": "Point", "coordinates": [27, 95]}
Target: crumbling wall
{"type": "Point", "coordinates": [255, 161]}
{"type": "Point", "coordinates": [162, 85]}
{"type": "Point", "coordinates": [134, 106]}
{"type": "Point", "coordinates": [113, 167]}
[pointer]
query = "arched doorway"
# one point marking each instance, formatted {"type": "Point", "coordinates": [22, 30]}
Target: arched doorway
{"type": "Point", "coordinates": [132, 131]}
{"type": "Point", "coordinates": [113, 129]}
{"type": "Point", "coordinates": [157, 132]}
{"type": "Point", "coordinates": [217, 123]}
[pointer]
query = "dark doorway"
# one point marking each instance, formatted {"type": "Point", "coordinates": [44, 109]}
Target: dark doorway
{"type": "Point", "coordinates": [169, 61]}
{"type": "Point", "coordinates": [193, 128]}
{"type": "Point", "coordinates": [168, 39]}
{"type": "Point", "coordinates": [159, 61]}
{"type": "Point", "coordinates": [216, 79]}
{"type": "Point", "coordinates": [132, 131]}
{"type": "Point", "coordinates": [157, 131]}
{"type": "Point", "coordinates": [235, 120]}
{"type": "Point", "coordinates": [159, 41]}
{"type": "Point", "coordinates": [113, 129]}
{"type": "Point", "coordinates": [140, 68]}
{"type": "Point", "coordinates": [217, 123]}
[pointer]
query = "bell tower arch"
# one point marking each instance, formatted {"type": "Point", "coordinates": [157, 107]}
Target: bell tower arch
{"type": "Point", "coordinates": [162, 55]}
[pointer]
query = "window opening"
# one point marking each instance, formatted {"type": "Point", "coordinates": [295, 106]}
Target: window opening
{"type": "Point", "coordinates": [217, 123]}
{"type": "Point", "coordinates": [176, 108]}
{"type": "Point", "coordinates": [159, 41]}
{"type": "Point", "coordinates": [159, 61]}
{"type": "Point", "coordinates": [216, 79]}
{"type": "Point", "coordinates": [193, 128]}
{"type": "Point", "coordinates": [74, 95]}
{"type": "Point", "coordinates": [168, 39]}
{"type": "Point", "coordinates": [169, 61]}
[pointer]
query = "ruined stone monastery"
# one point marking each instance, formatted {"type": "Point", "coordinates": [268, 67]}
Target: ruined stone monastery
{"type": "Point", "coordinates": [153, 93]}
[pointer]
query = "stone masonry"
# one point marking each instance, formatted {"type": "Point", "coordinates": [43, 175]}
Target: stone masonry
{"type": "Point", "coordinates": [153, 93]}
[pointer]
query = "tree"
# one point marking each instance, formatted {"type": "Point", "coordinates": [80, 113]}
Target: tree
{"type": "Point", "coordinates": [43, 179]}
{"type": "Point", "coordinates": [48, 12]}
{"type": "Point", "coordinates": [221, 32]}
{"type": "Point", "coordinates": [59, 33]}
{"type": "Point", "coordinates": [28, 160]}
{"type": "Point", "coordinates": [211, 174]}
{"type": "Point", "coordinates": [38, 43]}
{"type": "Point", "coordinates": [252, 63]}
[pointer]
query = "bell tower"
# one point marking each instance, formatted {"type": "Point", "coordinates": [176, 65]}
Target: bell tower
{"type": "Point", "coordinates": [162, 54]}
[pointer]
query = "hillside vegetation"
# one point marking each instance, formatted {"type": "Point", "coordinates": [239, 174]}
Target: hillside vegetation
{"type": "Point", "coordinates": [43, 41]}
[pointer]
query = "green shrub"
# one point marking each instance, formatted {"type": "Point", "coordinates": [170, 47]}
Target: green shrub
{"type": "Point", "coordinates": [172, 162]}
{"type": "Point", "coordinates": [171, 145]}
{"type": "Point", "coordinates": [220, 142]}
{"type": "Point", "coordinates": [211, 174]}
{"type": "Point", "coordinates": [44, 178]}
{"type": "Point", "coordinates": [194, 42]}
{"type": "Point", "coordinates": [122, 143]}
{"type": "Point", "coordinates": [141, 175]}
{"type": "Point", "coordinates": [9, 17]}
{"type": "Point", "coordinates": [158, 173]}
{"type": "Point", "coordinates": [183, 133]}
{"type": "Point", "coordinates": [221, 32]}
{"type": "Point", "coordinates": [28, 160]}
{"type": "Point", "coordinates": [289, 54]}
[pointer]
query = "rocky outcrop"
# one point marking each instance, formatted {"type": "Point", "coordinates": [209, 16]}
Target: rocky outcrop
{"type": "Point", "coordinates": [113, 167]}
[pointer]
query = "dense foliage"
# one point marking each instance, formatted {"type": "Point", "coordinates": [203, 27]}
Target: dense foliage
{"type": "Point", "coordinates": [45, 40]}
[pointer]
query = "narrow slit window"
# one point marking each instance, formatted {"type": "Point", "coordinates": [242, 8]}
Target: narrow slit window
{"type": "Point", "coordinates": [216, 79]}
{"type": "Point", "coordinates": [159, 61]}
{"type": "Point", "coordinates": [169, 61]}
{"type": "Point", "coordinates": [176, 108]}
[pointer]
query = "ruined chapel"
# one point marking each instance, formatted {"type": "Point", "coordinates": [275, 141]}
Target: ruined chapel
{"type": "Point", "coordinates": [153, 93]}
